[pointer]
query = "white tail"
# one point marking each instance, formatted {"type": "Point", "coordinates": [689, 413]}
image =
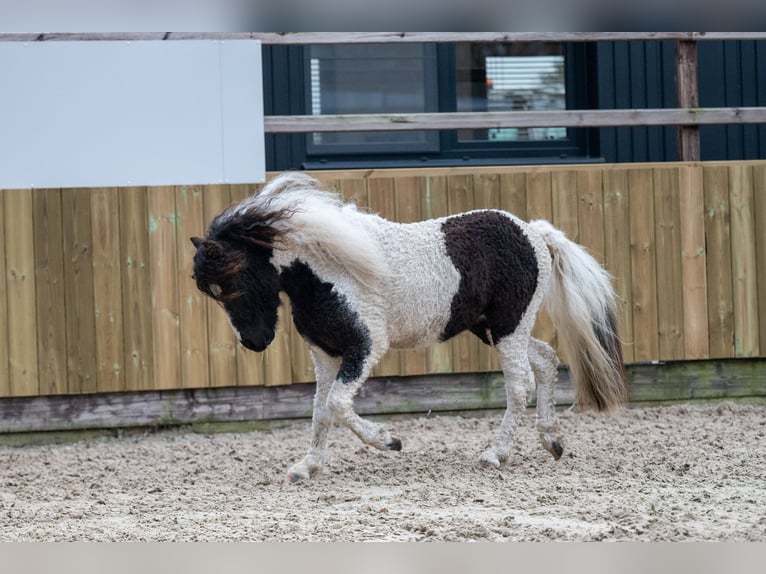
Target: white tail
{"type": "Point", "coordinates": [582, 305]}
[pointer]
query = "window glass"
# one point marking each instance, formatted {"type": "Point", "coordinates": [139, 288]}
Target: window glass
{"type": "Point", "coordinates": [510, 77]}
{"type": "Point", "coordinates": [371, 78]}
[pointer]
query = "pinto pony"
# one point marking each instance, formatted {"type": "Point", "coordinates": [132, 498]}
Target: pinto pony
{"type": "Point", "coordinates": [360, 285]}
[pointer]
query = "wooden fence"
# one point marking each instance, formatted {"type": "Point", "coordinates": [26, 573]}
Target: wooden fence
{"type": "Point", "coordinates": [96, 294]}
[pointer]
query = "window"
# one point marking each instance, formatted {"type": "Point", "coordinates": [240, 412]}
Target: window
{"type": "Point", "coordinates": [510, 77]}
{"type": "Point", "coordinates": [369, 79]}
{"type": "Point", "coordinates": [419, 78]}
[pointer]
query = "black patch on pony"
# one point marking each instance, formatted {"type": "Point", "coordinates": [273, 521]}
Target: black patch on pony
{"type": "Point", "coordinates": [498, 274]}
{"type": "Point", "coordinates": [324, 318]}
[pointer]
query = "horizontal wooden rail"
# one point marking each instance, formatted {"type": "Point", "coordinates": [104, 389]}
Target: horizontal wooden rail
{"type": "Point", "coordinates": [532, 119]}
{"type": "Point", "coordinates": [385, 37]}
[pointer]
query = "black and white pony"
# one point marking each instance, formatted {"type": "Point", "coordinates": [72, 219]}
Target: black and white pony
{"type": "Point", "coordinates": [360, 285]}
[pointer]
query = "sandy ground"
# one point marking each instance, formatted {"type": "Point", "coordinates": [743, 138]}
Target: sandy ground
{"type": "Point", "coordinates": [683, 472]}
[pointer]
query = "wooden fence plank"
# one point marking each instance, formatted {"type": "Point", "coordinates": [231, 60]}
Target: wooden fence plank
{"type": "Point", "coordinates": [276, 358]}
{"type": "Point", "coordinates": [107, 289]}
{"type": "Point", "coordinates": [436, 204]}
{"type": "Point", "coordinates": [163, 271]}
{"type": "Point", "coordinates": [564, 204]}
{"type": "Point", "coordinates": [617, 251]}
{"type": "Point", "coordinates": [409, 193]}
{"type": "Point", "coordinates": [693, 263]}
{"type": "Point", "coordinates": [222, 342]}
{"type": "Point", "coordinates": [5, 382]}
{"type": "Point", "coordinates": [743, 262]}
{"type": "Point", "coordinates": [465, 347]}
{"type": "Point", "coordinates": [540, 206]}
{"type": "Point", "coordinates": [513, 194]}
{"type": "Point", "coordinates": [642, 257]}
{"type": "Point", "coordinates": [719, 279]}
{"type": "Point", "coordinates": [136, 289]}
{"type": "Point", "coordinates": [667, 234]}
{"type": "Point", "coordinates": [192, 305]}
{"type": "Point", "coordinates": [78, 284]}
{"type": "Point", "coordinates": [590, 213]}
{"type": "Point", "coordinates": [50, 292]}
{"type": "Point", "coordinates": [382, 200]}
{"type": "Point", "coordinates": [249, 363]}
{"type": "Point", "coordinates": [20, 270]}
{"type": "Point", "coordinates": [759, 203]}
{"type": "Point", "coordinates": [486, 195]}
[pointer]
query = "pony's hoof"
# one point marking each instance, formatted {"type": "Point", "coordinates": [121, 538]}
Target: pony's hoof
{"type": "Point", "coordinates": [556, 450]}
{"type": "Point", "coordinates": [296, 477]}
{"type": "Point", "coordinates": [394, 444]}
{"type": "Point", "coordinates": [489, 460]}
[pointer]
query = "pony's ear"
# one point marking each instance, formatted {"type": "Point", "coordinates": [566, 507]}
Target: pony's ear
{"type": "Point", "coordinates": [196, 241]}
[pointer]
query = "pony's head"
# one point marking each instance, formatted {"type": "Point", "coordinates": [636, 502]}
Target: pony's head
{"type": "Point", "coordinates": [235, 270]}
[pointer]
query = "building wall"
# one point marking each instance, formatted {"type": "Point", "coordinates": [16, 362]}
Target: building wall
{"type": "Point", "coordinates": [96, 293]}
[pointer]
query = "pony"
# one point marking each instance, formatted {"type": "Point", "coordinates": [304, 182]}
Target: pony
{"type": "Point", "coordinates": [360, 285]}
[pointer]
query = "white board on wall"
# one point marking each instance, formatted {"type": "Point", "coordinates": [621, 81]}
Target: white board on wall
{"type": "Point", "coordinates": [113, 113]}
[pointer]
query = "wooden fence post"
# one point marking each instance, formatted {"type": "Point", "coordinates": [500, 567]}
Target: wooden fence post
{"type": "Point", "coordinates": [688, 136]}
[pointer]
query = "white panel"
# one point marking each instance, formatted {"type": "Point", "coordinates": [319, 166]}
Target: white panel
{"type": "Point", "coordinates": [98, 114]}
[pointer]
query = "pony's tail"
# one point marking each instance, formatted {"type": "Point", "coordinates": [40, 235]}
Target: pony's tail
{"type": "Point", "coordinates": [582, 305]}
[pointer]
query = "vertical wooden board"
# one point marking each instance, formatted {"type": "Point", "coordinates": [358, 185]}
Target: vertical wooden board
{"type": "Point", "coordinates": [693, 263]}
{"type": "Point", "coordinates": [49, 292]}
{"type": "Point", "coordinates": [382, 200]}
{"type": "Point", "coordinates": [20, 277]}
{"type": "Point", "coordinates": [465, 347]}
{"type": "Point", "coordinates": [667, 235]}
{"type": "Point", "coordinates": [590, 215]}
{"type": "Point", "coordinates": [513, 194]}
{"type": "Point", "coordinates": [78, 286]}
{"type": "Point", "coordinates": [107, 289]}
{"type": "Point", "coordinates": [564, 211]}
{"type": "Point", "coordinates": [617, 252]}
{"type": "Point", "coordinates": [249, 363]}
{"type": "Point", "coordinates": [486, 191]}
{"type": "Point", "coordinates": [221, 339]}
{"type": "Point", "coordinates": [642, 262]}
{"type": "Point", "coordinates": [5, 383]}
{"type": "Point", "coordinates": [276, 358]}
{"type": "Point", "coordinates": [540, 206]}
{"type": "Point", "coordinates": [435, 205]}
{"type": "Point", "coordinates": [719, 275]}
{"type": "Point", "coordinates": [744, 271]}
{"type": "Point", "coordinates": [163, 272]}
{"type": "Point", "coordinates": [759, 203]}
{"type": "Point", "coordinates": [409, 198]}
{"type": "Point", "coordinates": [565, 203]}
{"type": "Point", "coordinates": [192, 309]}
{"type": "Point", "coordinates": [136, 289]}
{"type": "Point", "coordinates": [486, 195]}
{"type": "Point", "coordinates": [355, 191]}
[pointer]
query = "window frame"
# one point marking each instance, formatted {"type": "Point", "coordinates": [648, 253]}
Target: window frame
{"type": "Point", "coordinates": [580, 145]}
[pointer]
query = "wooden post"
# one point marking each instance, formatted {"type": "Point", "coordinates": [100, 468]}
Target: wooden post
{"type": "Point", "coordinates": [688, 97]}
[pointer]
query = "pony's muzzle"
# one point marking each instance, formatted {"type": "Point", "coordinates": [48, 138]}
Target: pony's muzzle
{"type": "Point", "coordinates": [258, 344]}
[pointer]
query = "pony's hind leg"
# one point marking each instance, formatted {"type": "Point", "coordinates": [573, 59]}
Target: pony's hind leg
{"type": "Point", "coordinates": [517, 372]}
{"type": "Point", "coordinates": [325, 368]}
{"type": "Point", "coordinates": [544, 363]}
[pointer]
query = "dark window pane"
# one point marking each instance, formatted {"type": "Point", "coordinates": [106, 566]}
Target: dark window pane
{"type": "Point", "coordinates": [372, 79]}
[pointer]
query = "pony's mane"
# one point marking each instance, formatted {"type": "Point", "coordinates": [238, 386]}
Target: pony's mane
{"type": "Point", "coordinates": [293, 212]}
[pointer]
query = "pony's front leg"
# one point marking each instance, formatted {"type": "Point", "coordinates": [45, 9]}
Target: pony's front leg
{"type": "Point", "coordinates": [325, 369]}
{"type": "Point", "coordinates": [341, 402]}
